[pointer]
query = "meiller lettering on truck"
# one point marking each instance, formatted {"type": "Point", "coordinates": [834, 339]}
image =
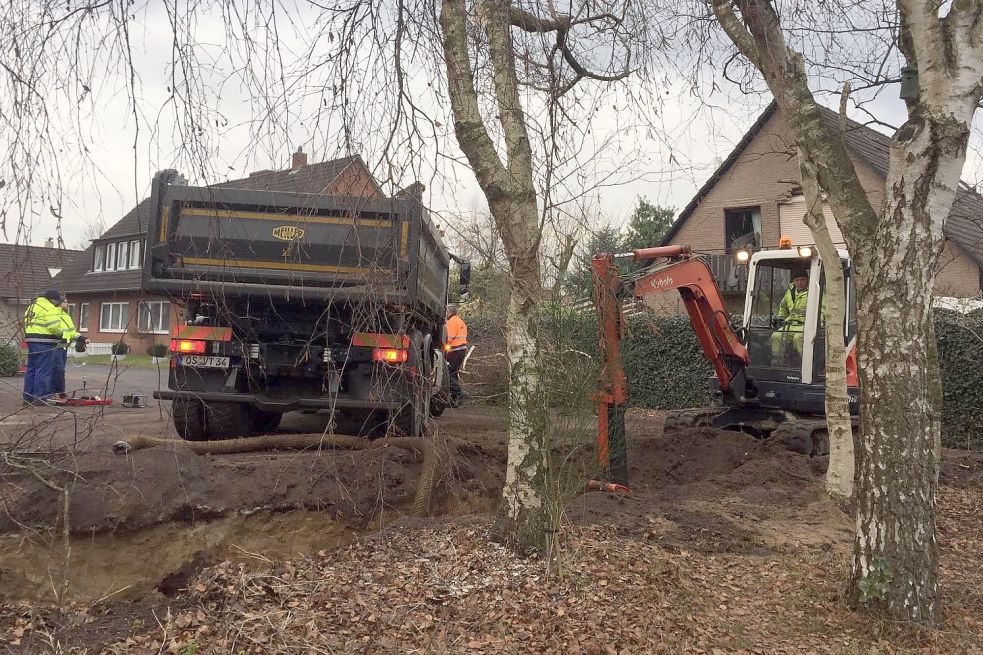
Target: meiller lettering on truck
{"type": "Point", "coordinates": [295, 301]}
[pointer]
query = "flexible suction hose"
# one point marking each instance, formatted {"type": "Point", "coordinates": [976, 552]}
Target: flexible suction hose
{"type": "Point", "coordinates": [424, 486]}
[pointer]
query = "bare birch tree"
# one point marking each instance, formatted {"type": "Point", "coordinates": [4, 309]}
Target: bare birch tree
{"type": "Point", "coordinates": [842, 464]}
{"type": "Point", "coordinates": [508, 185]}
{"type": "Point", "coordinates": [895, 248]}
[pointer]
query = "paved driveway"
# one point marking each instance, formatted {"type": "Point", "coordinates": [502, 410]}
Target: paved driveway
{"type": "Point", "coordinates": [102, 380]}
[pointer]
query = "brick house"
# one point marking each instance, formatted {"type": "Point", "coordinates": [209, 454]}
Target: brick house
{"type": "Point", "coordinates": [104, 282]}
{"type": "Point", "coordinates": [754, 198]}
{"type": "Point", "coordinates": [25, 272]}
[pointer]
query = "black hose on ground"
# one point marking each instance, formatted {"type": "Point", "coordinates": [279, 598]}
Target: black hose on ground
{"type": "Point", "coordinates": [424, 487]}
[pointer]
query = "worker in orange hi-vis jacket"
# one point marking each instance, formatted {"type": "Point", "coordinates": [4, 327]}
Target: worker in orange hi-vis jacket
{"type": "Point", "coordinates": [457, 348]}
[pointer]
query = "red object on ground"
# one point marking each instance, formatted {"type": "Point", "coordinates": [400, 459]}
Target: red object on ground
{"type": "Point", "coordinates": [83, 401]}
{"type": "Point", "coordinates": [610, 487]}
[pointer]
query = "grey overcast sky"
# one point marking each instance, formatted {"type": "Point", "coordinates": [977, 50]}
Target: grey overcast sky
{"type": "Point", "coordinates": [112, 145]}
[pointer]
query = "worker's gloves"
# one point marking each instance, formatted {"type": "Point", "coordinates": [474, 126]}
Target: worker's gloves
{"type": "Point", "coordinates": [80, 343]}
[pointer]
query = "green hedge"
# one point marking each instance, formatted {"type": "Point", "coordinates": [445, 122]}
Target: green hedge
{"type": "Point", "coordinates": [666, 368]}
{"type": "Point", "coordinates": [663, 361]}
{"type": "Point", "coordinates": [960, 340]}
{"type": "Point", "coordinates": [9, 356]}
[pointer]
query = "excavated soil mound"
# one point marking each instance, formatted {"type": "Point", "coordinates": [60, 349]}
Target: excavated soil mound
{"type": "Point", "coordinates": [715, 490]}
{"type": "Point", "coordinates": [162, 484]}
{"type": "Point", "coordinates": [704, 461]}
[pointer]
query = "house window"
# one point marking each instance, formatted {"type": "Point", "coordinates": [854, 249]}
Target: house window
{"type": "Point", "coordinates": [110, 256]}
{"type": "Point", "coordinates": [99, 260]}
{"type": "Point", "coordinates": [742, 228]}
{"type": "Point", "coordinates": [71, 310]}
{"type": "Point", "coordinates": [114, 316]}
{"type": "Point", "coordinates": [122, 256]}
{"type": "Point", "coordinates": [154, 316]}
{"type": "Point", "coordinates": [134, 254]}
{"type": "Point", "coordinates": [84, 317]}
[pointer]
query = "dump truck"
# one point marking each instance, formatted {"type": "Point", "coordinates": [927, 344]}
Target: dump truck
{"type": "Point", "coordinates": [292, 301]}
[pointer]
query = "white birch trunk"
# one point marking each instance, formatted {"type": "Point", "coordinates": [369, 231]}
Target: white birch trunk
{"type": "Point", "coordinates": [894, 252]}
{"type": "Point", "coordinates": [840, 471]}
{"type": "Point", "coordinates": [897, 471]}
{"type": "Point", "coordinates": [523, 521]}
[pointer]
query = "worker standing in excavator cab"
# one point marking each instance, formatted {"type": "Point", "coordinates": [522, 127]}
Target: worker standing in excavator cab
{"type": "Point", "coordinates": [457, 349]}
{"type": "Point", "coordinates": [792, 312]}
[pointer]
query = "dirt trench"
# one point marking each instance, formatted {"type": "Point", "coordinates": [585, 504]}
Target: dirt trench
{"type": "Point", "coordinates": [147, 521]}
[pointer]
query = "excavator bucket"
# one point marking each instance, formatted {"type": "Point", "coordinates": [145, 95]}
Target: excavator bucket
{"type": "Point", "coordinates": [615, 463]}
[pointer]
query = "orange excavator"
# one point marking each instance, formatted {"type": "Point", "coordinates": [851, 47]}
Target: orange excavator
{"type": "Point", "coordinates": [769, 364]}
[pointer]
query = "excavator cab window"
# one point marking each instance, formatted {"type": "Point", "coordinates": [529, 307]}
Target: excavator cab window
{"type": "Point", "coordinates": [819, 350]}
{"type": "Point", "coordinates": [849, 328]}
{"type": "Point", "coordinates": [775, 326]}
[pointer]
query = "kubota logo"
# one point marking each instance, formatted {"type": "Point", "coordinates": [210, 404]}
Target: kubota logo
{"type": "Point", "coordinates": [662, 282]}
{"type": "Point", "coordinates": [288, 232]}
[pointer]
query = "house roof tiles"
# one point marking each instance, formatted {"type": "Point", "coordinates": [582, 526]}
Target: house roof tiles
{"type": "Point", "coordinates": [964, 225]}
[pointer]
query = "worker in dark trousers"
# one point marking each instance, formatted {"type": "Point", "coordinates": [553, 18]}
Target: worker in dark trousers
{"type": "Point", "coordinates": [457, 348]}
{"type": "Point", "coordinates": [69, 335]}
{"type": "Point", "coordinates": [44, 331]}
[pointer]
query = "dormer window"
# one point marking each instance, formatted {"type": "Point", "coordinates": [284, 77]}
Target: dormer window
{"type": "Point", "coordinates": [118, 256]}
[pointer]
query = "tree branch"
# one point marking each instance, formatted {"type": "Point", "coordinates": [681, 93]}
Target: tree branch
{"type": "Point", "coordinates": [739, 34]}
{"type": "Point", "coordinates": [784, 72]}
{"type": "Point", "coordinates": [469, 127]}
{"type": "Point", "coordinates": [561, 24]}
{"type": "Point", "coordinates": [510, 114]}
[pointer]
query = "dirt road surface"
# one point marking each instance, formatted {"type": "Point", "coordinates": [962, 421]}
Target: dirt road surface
{"type": "Point", "coordinates": [164, 530]}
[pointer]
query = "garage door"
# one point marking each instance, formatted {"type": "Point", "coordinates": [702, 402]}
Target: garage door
{"type": "Point", "coordinates": [790, 216]}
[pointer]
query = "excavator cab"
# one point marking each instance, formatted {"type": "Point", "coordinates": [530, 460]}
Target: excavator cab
{"type": "Point", "coordinates": [784, 326]}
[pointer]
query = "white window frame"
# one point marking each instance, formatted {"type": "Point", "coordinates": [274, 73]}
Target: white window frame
{"type": "Point", "coordinates": [122, 322]}
{"type": "Point", "coordinates": [110, 257]}
{"type": "Point", "coordinates": [99, 258]}
{"type": "Point", "coordinates": [122, 256]}
{"type": "Point", "coordinates": [71, 311]}
{"type": "Point", "coordinates": [83, 326]}
{"type": "Point", "coordinates": [135, 253]}
{"type": "Point", "coordinates": [163, 326]}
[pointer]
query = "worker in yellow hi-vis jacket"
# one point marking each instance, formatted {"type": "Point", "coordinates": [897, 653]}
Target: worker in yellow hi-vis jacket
{"type": "Point", "coordinates": [792, 311]}
{"type": "Point", "coordinates": [45, 330]}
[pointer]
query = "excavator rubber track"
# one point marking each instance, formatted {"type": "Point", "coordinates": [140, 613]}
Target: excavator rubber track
{"type": "Point", "coordinates": [684, 419]}
{"type": "Point", "coordinates": [805, 436]}
{"type": "Point", "coordinates": [801, 435]}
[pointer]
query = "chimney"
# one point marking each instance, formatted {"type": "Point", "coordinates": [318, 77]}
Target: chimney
{"type": "Point", "coordinates": [414, 191]}
{"type": "Point", "coordinates": [50, 243]}
{"type": "Point", "coordinates": [300, 158]}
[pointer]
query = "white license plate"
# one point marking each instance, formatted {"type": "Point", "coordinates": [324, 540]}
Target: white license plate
{"type": "Point", "coordinates": [203, 361]}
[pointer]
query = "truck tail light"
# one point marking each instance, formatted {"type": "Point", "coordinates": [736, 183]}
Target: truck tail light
{"type": "Point", "coordinates": [390, 355]}
{"type": "Point", "coordinates": [188, 346]}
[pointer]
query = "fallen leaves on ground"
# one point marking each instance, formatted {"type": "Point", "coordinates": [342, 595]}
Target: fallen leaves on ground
{"type": "Point", "coordinates": [448, 589]}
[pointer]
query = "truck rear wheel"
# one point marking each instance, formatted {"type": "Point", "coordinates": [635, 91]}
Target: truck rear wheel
{"type": "Point", "coordinates": [264, 422]}
{"type": "Point", "coordinates": [410, 418]}
{"type": "Point", "coordinates": [189, 419]}
{"type": "Point", "coordinates": [227, 420]}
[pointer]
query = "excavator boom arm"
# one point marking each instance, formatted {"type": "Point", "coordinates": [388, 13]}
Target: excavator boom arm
{"type": "Point", "coordinates": [704, 304]}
